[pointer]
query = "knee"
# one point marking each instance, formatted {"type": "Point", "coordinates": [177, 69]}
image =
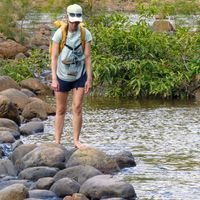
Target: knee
{"type": "Point", "coordinates": [61, 110]}
{"type": "Point", "coordinates": [76, 109]}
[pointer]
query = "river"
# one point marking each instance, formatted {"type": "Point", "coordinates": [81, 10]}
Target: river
{"type": "Point", "coordinates": [163, 136]}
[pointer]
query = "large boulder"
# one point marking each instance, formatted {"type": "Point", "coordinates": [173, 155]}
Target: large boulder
{"type": "Point", "coordinates": [36, 86]}
{"type": "Point", "coordinates": [50, 110]}
{"type": "Point", "coordinates": [10, 180]}
{"type": "Point", "coordinates": [35, 173]}
{"type": "Point", "coordinates": [19, 153]}
{"type": "Point", "coordinates": [10, 48]}
{"type": "Point", "coordinates": [6, 137]}
{"type": "Point", "coordinates": [14, 192]}
{"type": "Point", "coordinates": [49, 155]}
{"type": "Point", "coordinates": [7, 123]}
{"type": "Point", "coordinates": [105, 186]}
{"type": "Point", "coordinates": [65, 186]}
{"type": "Point", "coordinates": [79, 173]}
{"type": "Point", "coordinates": [32, 127]}
{"type": "Point", "coordinates": [16, 97]}
{"type": "Point", "coordinates": [16, 134]}
{"type": "Point", "coordinates": [6, 82]}
{"type": "Point", "coordinates": [34, 109]}
{"type": "Point", "coordinates": [9, 110]}
{"type": "Point", "coordinates": [93, 157]}
{"type": "Point", "coordinates": [7, 168]}
{"type": "Point", "coordinates": [37, 108]}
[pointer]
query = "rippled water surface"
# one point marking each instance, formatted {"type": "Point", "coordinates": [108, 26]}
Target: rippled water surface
{"type": "Point", "coordinates": [164, 138]}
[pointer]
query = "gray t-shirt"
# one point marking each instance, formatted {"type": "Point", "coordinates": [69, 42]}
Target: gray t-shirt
{"type": "Point", "coordinates": [73, 40]}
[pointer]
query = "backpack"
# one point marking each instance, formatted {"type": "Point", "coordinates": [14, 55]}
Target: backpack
{"type": "Point", "coordinates": [64, 29]}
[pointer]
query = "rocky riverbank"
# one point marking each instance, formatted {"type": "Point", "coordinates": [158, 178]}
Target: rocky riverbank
{"type": "Point", "coordinates": [47, 170]}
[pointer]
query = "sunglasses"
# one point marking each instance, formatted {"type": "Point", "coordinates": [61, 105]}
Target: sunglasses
{"type": "Point", "coordinates": [75, 14]}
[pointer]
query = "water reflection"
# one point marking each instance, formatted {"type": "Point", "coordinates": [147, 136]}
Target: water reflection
{"type": "Point", "coordinates": [164, 137]}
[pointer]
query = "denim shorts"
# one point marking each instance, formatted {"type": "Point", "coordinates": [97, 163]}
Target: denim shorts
{"type": "Point", "coordinates": [66, 86]}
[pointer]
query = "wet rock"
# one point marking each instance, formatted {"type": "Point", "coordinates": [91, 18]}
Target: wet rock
{"type": "Point", "coordinates": [19, 153]}
{"type": "Point", "coordinates": [52, 156]}
{"type": "Point", "coordinates": [16, 97]}
{"type": "Point", "coordinates": [6, 82]}
{"type": "Point", "coordinates": [36, 86]}
{"type": "Point", "coordinates": [78, 173]}
{"type": "Point", "coordinates": [16, 144]}
{"type": "Point", "coordinates": [8, 110]}
{"type": "Point", "coordinates": [42, 194]}
{"type": "Point", "coordinates": [7, 168]}
{"type": "Point", "coordinates": [50, 110]}
{"type": "Point", "coordinates": [76, 196]}
{"type": "Point", "coordinates": [1, 152]}
{"type": "Point", "coordinates": [35, 173]}
{"type": "Point", "coordinates": [34, 110]}
{"type": "Point", "coordinates": [7, 123]}
{"type": "Point", "coordinates": [45, 183]}
{"type": "Point", "coordinates": [105, 186]}
{"type": "Point", "coordinates": [14, 192]}
{"type": "Point", "coordinates": [10, 48]}
{"type": "Point", "coordinates": [28, 92]}
{"type": "Point", "coordinates": [65, 186]}
{"type": "Point", "coordinates": [6, 183]}
{"type": "Point", "coordinates": [31, 128]}
{"type": "Point", "coordinates": [6, 137]}
{"type": "Point", "coordinates": [125, 159]}
{"type": "Point", "coordinates": [95, 158]}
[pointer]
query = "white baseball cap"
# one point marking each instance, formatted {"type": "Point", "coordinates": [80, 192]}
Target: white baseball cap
{"type": "Point", "coordinates": [74, 13]}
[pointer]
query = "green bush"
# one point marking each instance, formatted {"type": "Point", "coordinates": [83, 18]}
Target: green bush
{"type": "Point", "coordinates": [134, 61]}
{"type": "Point", "coordinates": [25, 68]}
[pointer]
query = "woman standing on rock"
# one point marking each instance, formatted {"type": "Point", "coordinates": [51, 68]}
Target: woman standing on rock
{"type": "Point", "coordinates": [71, 70]}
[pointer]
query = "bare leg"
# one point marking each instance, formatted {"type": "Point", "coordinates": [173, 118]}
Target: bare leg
{"type": "Point", "coordinates": [77, 116]}
{"type": "Point", "coordinates": [61, 107]}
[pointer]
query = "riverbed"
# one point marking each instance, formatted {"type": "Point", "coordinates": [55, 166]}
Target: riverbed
{"type": "Point", "coordinates": [163, 136]}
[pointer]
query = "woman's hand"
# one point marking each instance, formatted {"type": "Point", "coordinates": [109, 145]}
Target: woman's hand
{"type": "Point", "coordinates": [88, 86]}
{"type": "Point", "coordinates": [55, 85]}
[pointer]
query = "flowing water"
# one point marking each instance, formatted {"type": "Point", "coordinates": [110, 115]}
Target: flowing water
{"type": "Point", "coordinates": [164, 138]}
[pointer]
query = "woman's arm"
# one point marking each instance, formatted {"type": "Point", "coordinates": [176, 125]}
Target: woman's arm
{"type": "Point", "coordinates": [88, 67]}
{"type": "Point", "coordinates": [54, 59]}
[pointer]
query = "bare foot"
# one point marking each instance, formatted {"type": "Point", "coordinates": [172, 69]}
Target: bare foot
{"type": "Point", "coordinates": [80, 146]}
{"type": "Point", "coordinates": [57, 142]}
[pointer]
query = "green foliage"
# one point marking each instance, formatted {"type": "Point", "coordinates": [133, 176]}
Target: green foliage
{"type": "Point", "coordinates": [25, 68]}
{"type": "Point", "coordinates": [166, 8]}
{"type": "Point", "coordinates": [134, 61]}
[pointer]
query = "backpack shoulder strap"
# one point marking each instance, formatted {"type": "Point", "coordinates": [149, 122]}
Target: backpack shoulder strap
{"type": "Point", "coordinates": [83, 33]}
{"type": "Point", "coordinates": [64, 30]}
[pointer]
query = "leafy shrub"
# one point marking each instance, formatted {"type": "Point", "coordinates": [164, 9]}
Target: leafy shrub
{"type": "Point", "coordinates": [25, 68]}
{"type": "Point", "coordinates": [134, 61]}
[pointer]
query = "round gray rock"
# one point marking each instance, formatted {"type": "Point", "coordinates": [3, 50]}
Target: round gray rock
{"type": "Point", "coordinates": [79, 173]}
{"type": "Point", "coordinates": [35, 173]}
{"type": "Point", "coordinates": [65, 186]}
{"type": "Point", "coordinates": [14, 192]}
{"type": "Point", "coordinates": [105, 186]}
{"type": "Point", "coordinates": [93, 157]}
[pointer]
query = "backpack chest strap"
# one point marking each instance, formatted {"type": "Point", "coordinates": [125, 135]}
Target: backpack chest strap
{"type": "Point", "coordinates": [73, 49]}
